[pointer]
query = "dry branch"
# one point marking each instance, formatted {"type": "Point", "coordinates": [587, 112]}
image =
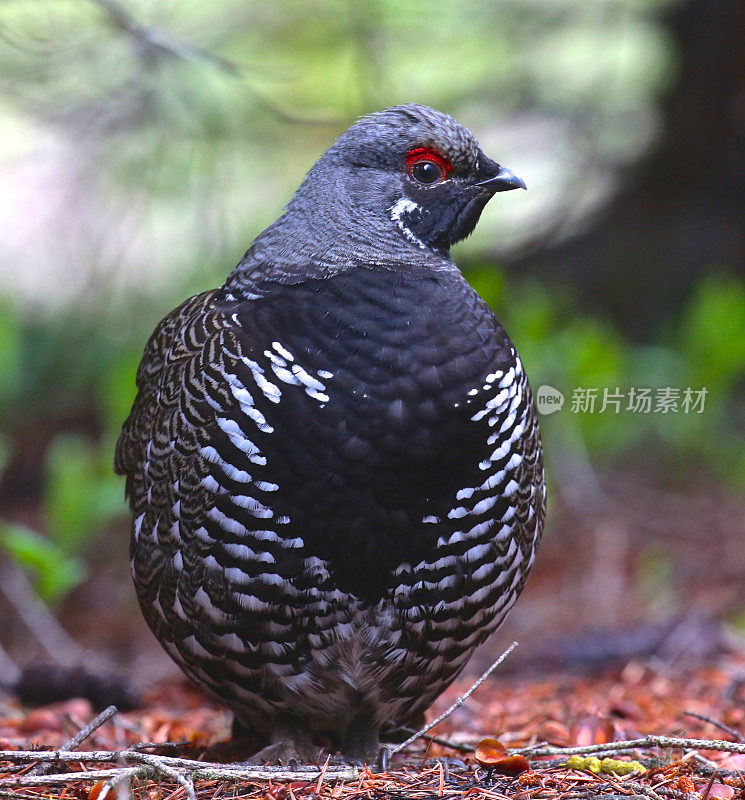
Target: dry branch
{"type": "Point", "coordinates": [182, 770]}
{"type": "Point", "coordinates": [67, 777]}
{"type": "Point", "coordinates": [462, 747]}
{"type": "Point", "coordinates": [717, 724]}
{"type": "Point", "coordinates": [78, 739]}
{"type": "Point", "coordinates": [457, 704]}
{"type": "Point", "coordinates": [665, 742]}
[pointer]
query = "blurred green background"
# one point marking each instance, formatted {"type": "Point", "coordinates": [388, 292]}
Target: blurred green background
{"type": "Point", "coordinates": [144, 144]}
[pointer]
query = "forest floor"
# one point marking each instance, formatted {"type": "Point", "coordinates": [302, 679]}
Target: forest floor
{"type": "Point", "coordinates": [640, 699]}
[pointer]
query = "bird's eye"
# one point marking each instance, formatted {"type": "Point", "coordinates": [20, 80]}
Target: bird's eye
{"type": "Point", "coordinates": [427, 166]}
{"type": "Point", "coordinates": [426, 172]}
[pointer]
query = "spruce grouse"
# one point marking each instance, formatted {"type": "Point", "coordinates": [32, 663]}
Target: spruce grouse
{"type": "Point", "coordinates": [333, 459]}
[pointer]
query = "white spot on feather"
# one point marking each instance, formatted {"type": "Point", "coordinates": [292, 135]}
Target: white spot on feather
{"type": "Point", "coordinates": [406, 206]}
{"type": "Point", "coordinates": [283, 351]}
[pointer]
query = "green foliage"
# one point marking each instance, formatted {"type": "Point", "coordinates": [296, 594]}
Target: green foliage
{"type": "Point", "coordinates": [82, 491]}
{"type": "Point", "coordinates": [713, 334]}
{"type": "Point", "coordinates": [82, 497]}
{"type": "Point", "coordinates": [712, 346]}
{"type": "Point", "coordinates": [116, 389]}
{"type": "Point", "coordinates": [53, 570]}
{"type": "Point", "coordinates": [10, 351]}
{"type": "Point", "coordinates": [655, 578]}
{"type": "Point", "coordinates": [738, 621]}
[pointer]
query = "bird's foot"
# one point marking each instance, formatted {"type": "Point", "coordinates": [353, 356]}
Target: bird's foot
{"type": "Point", "coordinates": [361, 745]}
{"type": "Point", "coordinates": [288, 753]}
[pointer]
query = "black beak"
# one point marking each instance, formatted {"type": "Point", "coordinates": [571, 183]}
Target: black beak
{"type": "Point", "coordinates": [503, 181]}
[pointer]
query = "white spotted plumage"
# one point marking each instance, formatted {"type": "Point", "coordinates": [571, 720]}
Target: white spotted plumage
{"type": "Point", "coordinates": [333, 460]}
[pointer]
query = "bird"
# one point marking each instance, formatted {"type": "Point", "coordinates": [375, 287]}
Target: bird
{"type": "Point", "coordinates": [333, 460]}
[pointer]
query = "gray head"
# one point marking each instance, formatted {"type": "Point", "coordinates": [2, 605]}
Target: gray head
{"type": "Point", "coordinates": [400, 186]}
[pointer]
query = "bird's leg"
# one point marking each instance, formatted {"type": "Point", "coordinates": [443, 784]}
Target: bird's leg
{"type": "Point", "coordinates": [290, 742]}
{"type": "Point", "coordinates": [362, 739]}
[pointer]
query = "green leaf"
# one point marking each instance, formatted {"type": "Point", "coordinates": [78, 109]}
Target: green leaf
{"type": "Point", "coordinates": [53, 572]}
{"type": "Point", "coordinates": [10, 352]}
{"type": "Point", "coordinates": [82, 494]}
{"type": "Point", "coordinates": [713, 333]}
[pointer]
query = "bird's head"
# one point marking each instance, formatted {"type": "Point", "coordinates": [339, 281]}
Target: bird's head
{"type": "Point", "coordinates": [414, 169]}
{"type": "Point", "coordinates": [396, 189]}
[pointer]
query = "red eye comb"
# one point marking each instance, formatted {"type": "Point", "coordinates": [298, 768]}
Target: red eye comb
{"type": "Point", "coordinates": [428, 154]}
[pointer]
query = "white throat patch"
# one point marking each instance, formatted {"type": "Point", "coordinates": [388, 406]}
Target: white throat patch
{"type": "Point", "coordinates": [406, 206]}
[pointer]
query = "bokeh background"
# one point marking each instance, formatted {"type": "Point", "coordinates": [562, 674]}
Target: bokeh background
{"type": "Point", "coordinates": [144, 144]}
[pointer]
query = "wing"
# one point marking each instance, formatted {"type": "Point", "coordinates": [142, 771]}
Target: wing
{"type": "Point", "coordinates": [172, 352]}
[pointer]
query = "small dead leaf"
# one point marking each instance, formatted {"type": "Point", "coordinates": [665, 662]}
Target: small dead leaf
{"type": "Point", "coordinates": [491, 754]}
{"type": "Point", "coordinates": [735, 762]}
{"type": "Point", "coordinates": [716, 790]}
{"type": "Point", "coordinates": [512, 766]}
{"type": "Point", "coordinates": [625, 709]}
{"type": "Point", "coordinates": [555, 733]}
{"type": "Point", "coordinates": [591, 730]}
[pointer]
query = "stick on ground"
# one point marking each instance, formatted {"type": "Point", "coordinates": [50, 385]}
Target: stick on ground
{"type": "Point", "coordinates": [717, 724]}
{"type": "Point", "coordinates": [76, 741]}
{"type": "Point", "coordinates": [457, 704]}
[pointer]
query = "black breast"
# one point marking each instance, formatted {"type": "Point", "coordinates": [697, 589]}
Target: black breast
{"type": "Point", "coordinates": [364, 423]}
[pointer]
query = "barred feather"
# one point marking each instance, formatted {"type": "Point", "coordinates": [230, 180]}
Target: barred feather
{"type": "Point", "coordinates": [337, 489]}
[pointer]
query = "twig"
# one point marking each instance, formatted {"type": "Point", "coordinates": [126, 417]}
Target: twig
{"type": "Point", "coordinates": [717, 724]}
{"type": "Point", "coordinates": [122, 777]}
{"type": "Point", "coordinates": [8, 669]}
{"type": "Point", "coordinates": [156, 41]}
{"type": "Point", "coordinates": [17, 796]}
{"type": "Point", "coordinates": [323, 774]}
{"type": "Point", "coordinates": [699, 759]}
{"type": "Point", "coordinates": [43, 625]}
{"type": "Point", "coordinates": [77, 740]}
{"type": "Point", "coordinates": [165, 765]}
{"type": "Point", "coordinates": [634, 744]}
{"type": "Point", "coordinates": [640, 788]}
{"type": "Point", "coordinates": [90, 728]}
{"type": "Point", "coordinates": [164, 769]}
{"type": "Point", "coordinates": [164, 745]}
{"type": "Point", "coordinates": [66, 777]}
{"type": "Point", "coordinates": [115, 756]}
{"type": "Point", "coordinates": [457, 704]}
